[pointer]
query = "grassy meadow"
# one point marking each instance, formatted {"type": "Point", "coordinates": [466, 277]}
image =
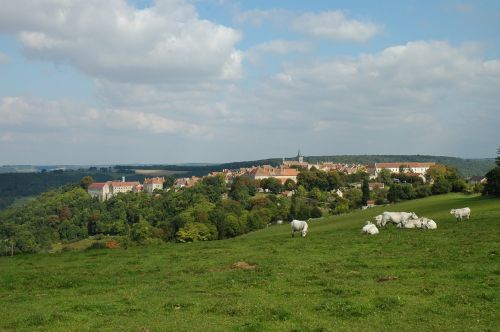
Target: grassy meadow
{"type": "Point", "coordinates": [335, 279]}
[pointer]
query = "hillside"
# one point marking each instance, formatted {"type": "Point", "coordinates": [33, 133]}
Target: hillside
{"type": "Point", "coordinates": [334, 279]}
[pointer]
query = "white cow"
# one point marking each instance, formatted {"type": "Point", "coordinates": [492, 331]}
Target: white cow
{"type": "Point", "coordinates": [378, 220]}
{"type": "Point", "coordinates": [369, 228]}
{"type": "Point", "coordinates": [410, 223]}
{"type": "Point", "coordinates": [299, 226]}
{"type": "Point", "coordinates": [460, 213]}
{"type": "Point", "coordinates": [422, 222]}
{"type": "Point", "coordinates": [397, 217]}
{"type": "Point", "coordinates": [427, 223]}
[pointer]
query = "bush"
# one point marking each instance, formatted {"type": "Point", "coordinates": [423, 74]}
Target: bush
{"type": "Point", "coordinates": [193, 232]}
{"type": "Point", "coordinates": [316, 212]}
{"type": "Point", "coordinates": [423, 191]}
{"type": "Point", "coordinates": [458, 186]}
{"type": "Point", "coordinates": [97, 245]}
{"type": "Point", "coordinates": [441, 186]}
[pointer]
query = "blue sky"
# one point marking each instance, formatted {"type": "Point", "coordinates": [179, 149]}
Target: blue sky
{"type": "Point", "coordinates": [169, 81]}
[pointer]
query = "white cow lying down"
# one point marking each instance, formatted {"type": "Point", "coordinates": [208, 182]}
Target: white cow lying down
{"type": "Point", "coordinates": [397, 217]}
{"type": "Point", "coordinates": [299, 226]}
{"type": "Point", "coordinates": [369, 228]}
{"type": "Point", "coordinates": [422, 222]}
{"type": "Point", "coordinates": [460, 213]}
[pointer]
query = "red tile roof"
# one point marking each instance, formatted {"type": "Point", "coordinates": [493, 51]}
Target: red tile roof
{"type": "Point", "coordinates": [97, 185]}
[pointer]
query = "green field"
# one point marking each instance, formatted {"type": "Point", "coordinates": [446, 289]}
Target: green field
{"type": "Point", "coordinates": [335, 279]}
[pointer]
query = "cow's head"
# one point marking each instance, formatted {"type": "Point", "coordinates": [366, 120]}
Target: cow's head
{"type": "Point", "coordinates": [413, 216]}
{"type": "Point", "coordinates": [452, 211]}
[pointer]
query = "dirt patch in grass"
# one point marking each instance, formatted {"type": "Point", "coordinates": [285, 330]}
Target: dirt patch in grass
{"type": "Point", "coordinates": [387, 278]}
{"type": "Point", "coordinates": [243, 266]}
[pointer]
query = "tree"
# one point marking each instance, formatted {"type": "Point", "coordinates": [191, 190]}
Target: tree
{"type": "Point", "coordinates": [169, 181]}
{"type": "Point", "coordinates": [365, 188]}
{"type": "Point", "coordinates": [289, 185]}
{"type": "Point", "coordinates": [242, 189]}
{"type": "Point", "coordinates": [86, 181]}
{"type": "Point", "coordinates": [384, 176]}
{"type": "Point", "coordinates": [272, 184]}
{"type": "Point", "coordinates": [497, 159]}
{"type": "Point", "coordinates": [492, 186]}
{"type": "Point", "coordinates": [441, 186]}
{"type": "Point", "coordinates": [141, 231]}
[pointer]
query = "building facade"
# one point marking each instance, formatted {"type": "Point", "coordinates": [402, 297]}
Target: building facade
{"type": "Point", "coordinates": [153, 184]}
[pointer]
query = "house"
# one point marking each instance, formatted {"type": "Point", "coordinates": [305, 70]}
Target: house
{"type": "Point", "coordinates": [417, 168]}
{"type": "Point", "coordinates": [153, 184]}
{"type": "Point", "coordinates": [100, 190]}
{"type": "Point", "coordinates": [108, 189]}
{"type": "Point", "coordinates": [186, 182]}
{"type": "Point", "coordinates": [280, 173]}
{"type": "Point", "coordinates": [477, 179]}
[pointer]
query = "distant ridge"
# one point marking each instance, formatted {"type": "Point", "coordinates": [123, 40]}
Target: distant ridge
{"type": "Point", "coordinates": [466, 167]}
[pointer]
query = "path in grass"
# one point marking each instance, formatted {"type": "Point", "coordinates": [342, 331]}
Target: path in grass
{"type": "Point", "coordinates": [334, 279]}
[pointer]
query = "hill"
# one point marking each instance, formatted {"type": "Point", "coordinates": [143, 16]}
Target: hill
{"type": "Point", "coordinates": [334, 279]}
{"type": "Point", "coordinates": [466, 167]}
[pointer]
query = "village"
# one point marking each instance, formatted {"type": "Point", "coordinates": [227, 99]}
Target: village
{"type": "Point", "coordinates": [287, 171]}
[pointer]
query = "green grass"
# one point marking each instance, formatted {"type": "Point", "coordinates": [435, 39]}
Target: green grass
{"type": "Point", "coordinates": [335, 279]}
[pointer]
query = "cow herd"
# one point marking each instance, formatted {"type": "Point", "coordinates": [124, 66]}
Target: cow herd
{"type": "Point", "coordinates": [400, 219]}
{"type": "Point", "coordinates": [408, 220]}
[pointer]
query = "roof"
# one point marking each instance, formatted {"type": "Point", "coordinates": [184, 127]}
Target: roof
{"type": "Point", "coordinates": [97, 185]}
{"type": "Point", "coordinates": [289, 172]}
{"type": "Point", "coordinates": [156, 180]}
{"type": "Point", "coordinates": [123, 184]}
{"type": "Point", "coordinates": [396, 165]}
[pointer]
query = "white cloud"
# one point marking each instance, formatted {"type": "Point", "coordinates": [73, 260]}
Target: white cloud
{"type": "Point", "coordinates": [330, 25]}
{"type": "Point", "coordinates": [167, 42]}
{"type": "Point", "coordinates": [283, 47]}
{"type": "Point", "coordinates": [335, 26]}
{"type": "Point", "coordinates": [35, 115]}
{"type": "Point", "coordinates": [406, 97]}
{"type": "Point", "coordinates": [258, 17]}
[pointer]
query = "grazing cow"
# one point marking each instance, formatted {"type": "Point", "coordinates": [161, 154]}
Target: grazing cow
{"type": "Point", "coordinates": [460, 213]}
{"type": "Point", "coordinates": [299, 226]}
{"type": "Point", "coordinates": [369, 228]}
{"type": "Point", "coordinates": [378, 220]}
{"type": "Point", "coordinates": [397, 217]}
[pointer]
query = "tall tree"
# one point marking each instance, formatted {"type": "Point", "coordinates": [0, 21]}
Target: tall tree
{"type": "Point", "coordinates": [366, 192]}
{"type": "Point", "coordinates": [497, 159]}
{"type": "Point", "coordinates": [86, 181]}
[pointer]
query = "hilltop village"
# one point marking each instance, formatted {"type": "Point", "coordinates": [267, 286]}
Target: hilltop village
{"type": "Point", "coordinates": [289, 170]}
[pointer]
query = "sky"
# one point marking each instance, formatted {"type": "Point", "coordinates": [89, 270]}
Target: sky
{"type": "Point", "coordinates": [170, 81]}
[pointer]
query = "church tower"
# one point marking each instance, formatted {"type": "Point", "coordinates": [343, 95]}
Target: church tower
{"type": "Point", "coordinates": [300, 157]}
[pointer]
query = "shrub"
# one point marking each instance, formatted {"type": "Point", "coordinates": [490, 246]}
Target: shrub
{"type": "Point", "coordinates": [316, 212]}
{"type": "Point", "coordinates": [441, 186]}
{"type": "Point", "coordinates": [97, 245]}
